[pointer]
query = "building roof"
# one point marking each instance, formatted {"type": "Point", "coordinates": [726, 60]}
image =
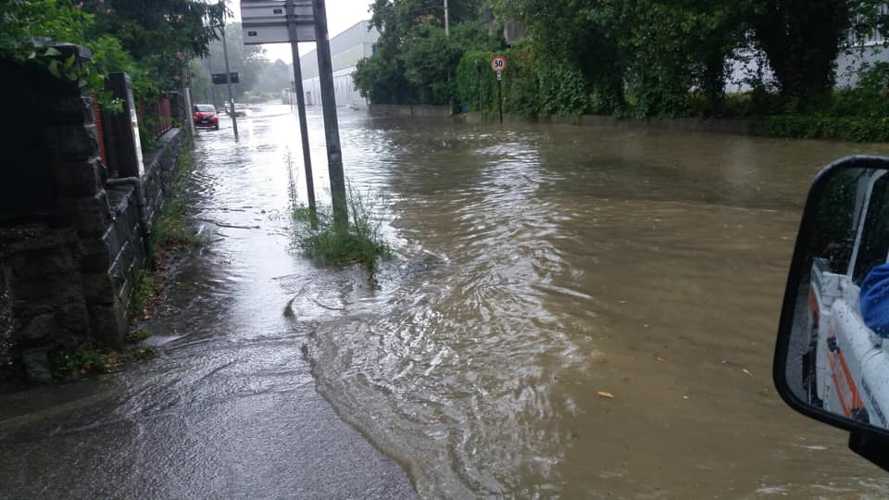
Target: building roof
{"type": "Point", "coordinates": [346, 49]}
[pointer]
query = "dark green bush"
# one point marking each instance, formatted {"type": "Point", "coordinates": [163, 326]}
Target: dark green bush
{"type": "Point", "coordinates": [826, 126]}
{"type": "Point", "coordinates": [530, 89]}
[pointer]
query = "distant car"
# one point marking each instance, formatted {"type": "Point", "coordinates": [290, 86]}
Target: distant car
{"type": "Point", "coordinates": [204, 115]}
{"type": "Point", "coordinates": [240, 110]}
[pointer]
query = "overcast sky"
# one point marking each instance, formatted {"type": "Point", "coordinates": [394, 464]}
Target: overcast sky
{"type": "Point", "coordinates": [341, 15]}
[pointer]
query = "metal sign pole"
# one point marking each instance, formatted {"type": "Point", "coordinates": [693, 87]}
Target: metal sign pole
{"type": "Point", "coordinates": [228, 79]}
{"type": "Point", "coordinates": [500, 95]}
{"type": "Point", "coordinates": [498, 64]}
{"type": "Point", "coordinates": [300, 105]}
{"type": "Point", "coordinates": [331, 125]}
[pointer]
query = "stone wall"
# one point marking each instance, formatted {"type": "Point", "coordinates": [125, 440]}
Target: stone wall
{"type": "Point", "coordinates": [72, 237]}
{"type": "Point", "coordinates": [161, 169]}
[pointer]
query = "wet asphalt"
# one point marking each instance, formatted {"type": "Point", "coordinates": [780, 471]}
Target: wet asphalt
{"type": "Point", "coordinates": [229, 408]}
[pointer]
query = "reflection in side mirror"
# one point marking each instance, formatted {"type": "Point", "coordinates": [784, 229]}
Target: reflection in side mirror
{"type": "Point", "coordinates": [832, 358]}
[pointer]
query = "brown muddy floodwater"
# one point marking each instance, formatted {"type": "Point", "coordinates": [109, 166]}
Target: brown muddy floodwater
{"type": "Point", "coordinates": [573, 312]}
{"type": "Point", "coordinates": [543, 265]}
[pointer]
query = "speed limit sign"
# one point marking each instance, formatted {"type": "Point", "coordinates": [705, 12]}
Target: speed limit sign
{"type": "Point", "coordinates": [498, 64]}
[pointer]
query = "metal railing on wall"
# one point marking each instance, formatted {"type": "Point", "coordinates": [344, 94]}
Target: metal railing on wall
{"type": "Point", "coordinates": [155, 115]}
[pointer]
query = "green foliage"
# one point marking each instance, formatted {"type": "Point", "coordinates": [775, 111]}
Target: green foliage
{"type": "Point", "coordinates": [630, 58]}
{"type": "Point", "coordinates": [529, 89]}
{"type": "Point", "coordinates": [137, 336]}
{"type": "Point", "coordinates": [414, 61]}
{"type": "Point", "coordinates": [476, 86]}
{"type": "Point", "coordinates": [29, 28]}
{"type": "Point", "coordinates": [90, 360]}
{"type": "Point", "coordinates": [162, 35]}
{"type": "Point", "coordinates": [359, 243]}
{"type": "Point", "coordinates": [826, 126]}
{"type": "Point", "coordinates": [86, 360]}
{"type": "Point", "coordinates": [428, 58]}
{"type": "Point", "coordinates": [859, 114]}
{"type": "Point", "coordinates": [170, 228]}
{"type": "Point", "coordinates": [870, 98]}
{"type": "Point", "coordinates": [562, 90]}
{"type": "Point", "coordinates": [802, 41]}
{"type": "Point", "coordinates": [147, 126]}
{"type": "Point", "coordinates": [144, 293]}
{"type": "Point", "coordinates": [150, 40]}
{"type": "Point", "coordinates": [169, 232]}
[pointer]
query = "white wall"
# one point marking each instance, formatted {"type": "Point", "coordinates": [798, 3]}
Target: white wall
{"type": "Point", "coordinates": [344, 90]}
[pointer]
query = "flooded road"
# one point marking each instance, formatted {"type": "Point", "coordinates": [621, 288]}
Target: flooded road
{"type": "Point", "coordinates": [548, 267]}
{"type": "Point", "coordinates": [576, 312]}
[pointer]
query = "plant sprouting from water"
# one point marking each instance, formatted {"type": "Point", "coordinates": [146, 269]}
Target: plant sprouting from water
{"type": "Point", "coordinates": [359, 242]}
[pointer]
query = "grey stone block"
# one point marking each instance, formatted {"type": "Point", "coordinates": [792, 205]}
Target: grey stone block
{"type": "Point", "coordinates": [36, 363]}
{"type": "Point", "coordinates": [91, 215]}
{"type": "Point", "coordinates": [35, 266]}
{"type": "Point", "coordinates": [98, 288]}
{"type": "Point", "coordinates": [72, 110]}
{"type": "Point", "coordinates": [27, 294]}
{"type": "Point", "coordinates": [74, 319]}
{"type": "Point", "coordinates": [109, 323]}
{"type": "Point", "coordinates": [72, 142]}
{"type": "Point", "coordinates": [38, 328]}
{"type": "Point", "coordinates": [78, 178]}
{"type": "Point", "coordinates": [98, 253]}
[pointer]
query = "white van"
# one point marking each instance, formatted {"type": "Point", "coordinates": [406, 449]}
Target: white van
{"type": "Point", "coordinates": [846, 368]}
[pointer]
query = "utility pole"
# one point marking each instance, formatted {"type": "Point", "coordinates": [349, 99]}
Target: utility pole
{"type": "Point", "coordinates": [331, 125]}
{"type": "Point", "coordinates": [209, 68]}
{"type": "Point", "coordinates": [301, 107]}
{"type": "Point", "coordinates": [447, 27]}
{"type": "Point", "coordinates": [228, 79]}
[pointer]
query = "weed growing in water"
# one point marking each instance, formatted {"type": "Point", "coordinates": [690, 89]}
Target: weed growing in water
{"type": "Point", "coordinates": [360, 242]}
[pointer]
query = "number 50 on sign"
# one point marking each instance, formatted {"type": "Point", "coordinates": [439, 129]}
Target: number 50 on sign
{"type": "Point", "coordinates": [498, 64]}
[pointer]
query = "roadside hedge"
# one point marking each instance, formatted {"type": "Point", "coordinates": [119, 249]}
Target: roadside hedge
{"type": "Point", "coordinates": [533, 88]}
{"type": "Point", "coordinates": [824, 126]}
{"type": "Point", "coordinates": [529, 89]}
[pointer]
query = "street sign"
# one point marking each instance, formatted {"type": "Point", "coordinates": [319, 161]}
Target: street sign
{"type": "Point", "coordinates": [219, 78]}
{"type": "Point", "coordinates": [266, 21]}
{"type": "Point", "coordinates": [498, 64]}
{"type": "Point", "coordinates": [257, 35]}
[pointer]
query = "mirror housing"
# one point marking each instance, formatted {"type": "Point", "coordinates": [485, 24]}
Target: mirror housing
{"type": "Point", "coordinates": [819, 369]}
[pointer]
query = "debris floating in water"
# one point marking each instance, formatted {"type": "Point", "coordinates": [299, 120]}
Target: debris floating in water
{"type": "Point", "coordinates": [606, 395]}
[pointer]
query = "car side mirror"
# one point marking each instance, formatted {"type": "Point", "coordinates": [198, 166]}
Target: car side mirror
{"type": "Point", "coordinates": [832, 354]}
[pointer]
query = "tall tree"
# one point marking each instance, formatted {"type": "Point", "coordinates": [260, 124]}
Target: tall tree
{"type": "Point", "coordinates": [801, 39]}
{"type": "Point", "coordinates": [163, 35]}
{"type": "Point", "coordinates": [413, 57]}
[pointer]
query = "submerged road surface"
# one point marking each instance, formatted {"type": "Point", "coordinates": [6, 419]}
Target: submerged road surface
{"type": "Point", "coordinates": [229, 409]}
{"type": "Point", "coordinates": [574, 312]}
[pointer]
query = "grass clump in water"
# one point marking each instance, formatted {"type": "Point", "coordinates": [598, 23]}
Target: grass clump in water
{"type": "Point", "coordinates": [89, 360]}
{"type": "Point", "coordinates": [137, 336]}
{"type": "Point", "coordinates": [170, 229]}
{"type": "Point", "coordinates": [359, 242]}
{"type": "Point", "coordinates": [145, 292]}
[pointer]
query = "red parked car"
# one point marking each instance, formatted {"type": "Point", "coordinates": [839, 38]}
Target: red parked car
{"type": "Point", "coordinates": [204, 115]}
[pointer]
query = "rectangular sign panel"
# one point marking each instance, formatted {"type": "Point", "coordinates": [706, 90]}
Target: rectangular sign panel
{"type": "Point", "coordinates": [265, 21]}
{"type": "Point", "coordinates": [219, 78]}
{"type": "Point", "coordinates": [277, 34]}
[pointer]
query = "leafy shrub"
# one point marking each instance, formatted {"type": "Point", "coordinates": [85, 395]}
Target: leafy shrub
{"type": "Point", "coordinates": [361, 242]}
{"type": "Point", "coordinates": [530, 89]}
{"type": "Point", "coordinates": [826, 126]}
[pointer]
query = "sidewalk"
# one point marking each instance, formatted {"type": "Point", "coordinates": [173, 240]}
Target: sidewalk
{"type": "Point", "coordinates": [229, 407]}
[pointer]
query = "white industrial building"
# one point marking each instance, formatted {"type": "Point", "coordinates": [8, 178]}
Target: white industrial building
{"type": "Point", "coordinates": [346, 49]}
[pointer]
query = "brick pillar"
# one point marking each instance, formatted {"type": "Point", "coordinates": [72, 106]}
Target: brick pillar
{"type": "Point", "coordinates": [124, 147]}
{"type": "Point", "coordinates": [55, 253]}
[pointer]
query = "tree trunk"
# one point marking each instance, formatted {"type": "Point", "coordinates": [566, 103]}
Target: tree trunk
{"type": "Point", "coordinates": [801, 39]}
